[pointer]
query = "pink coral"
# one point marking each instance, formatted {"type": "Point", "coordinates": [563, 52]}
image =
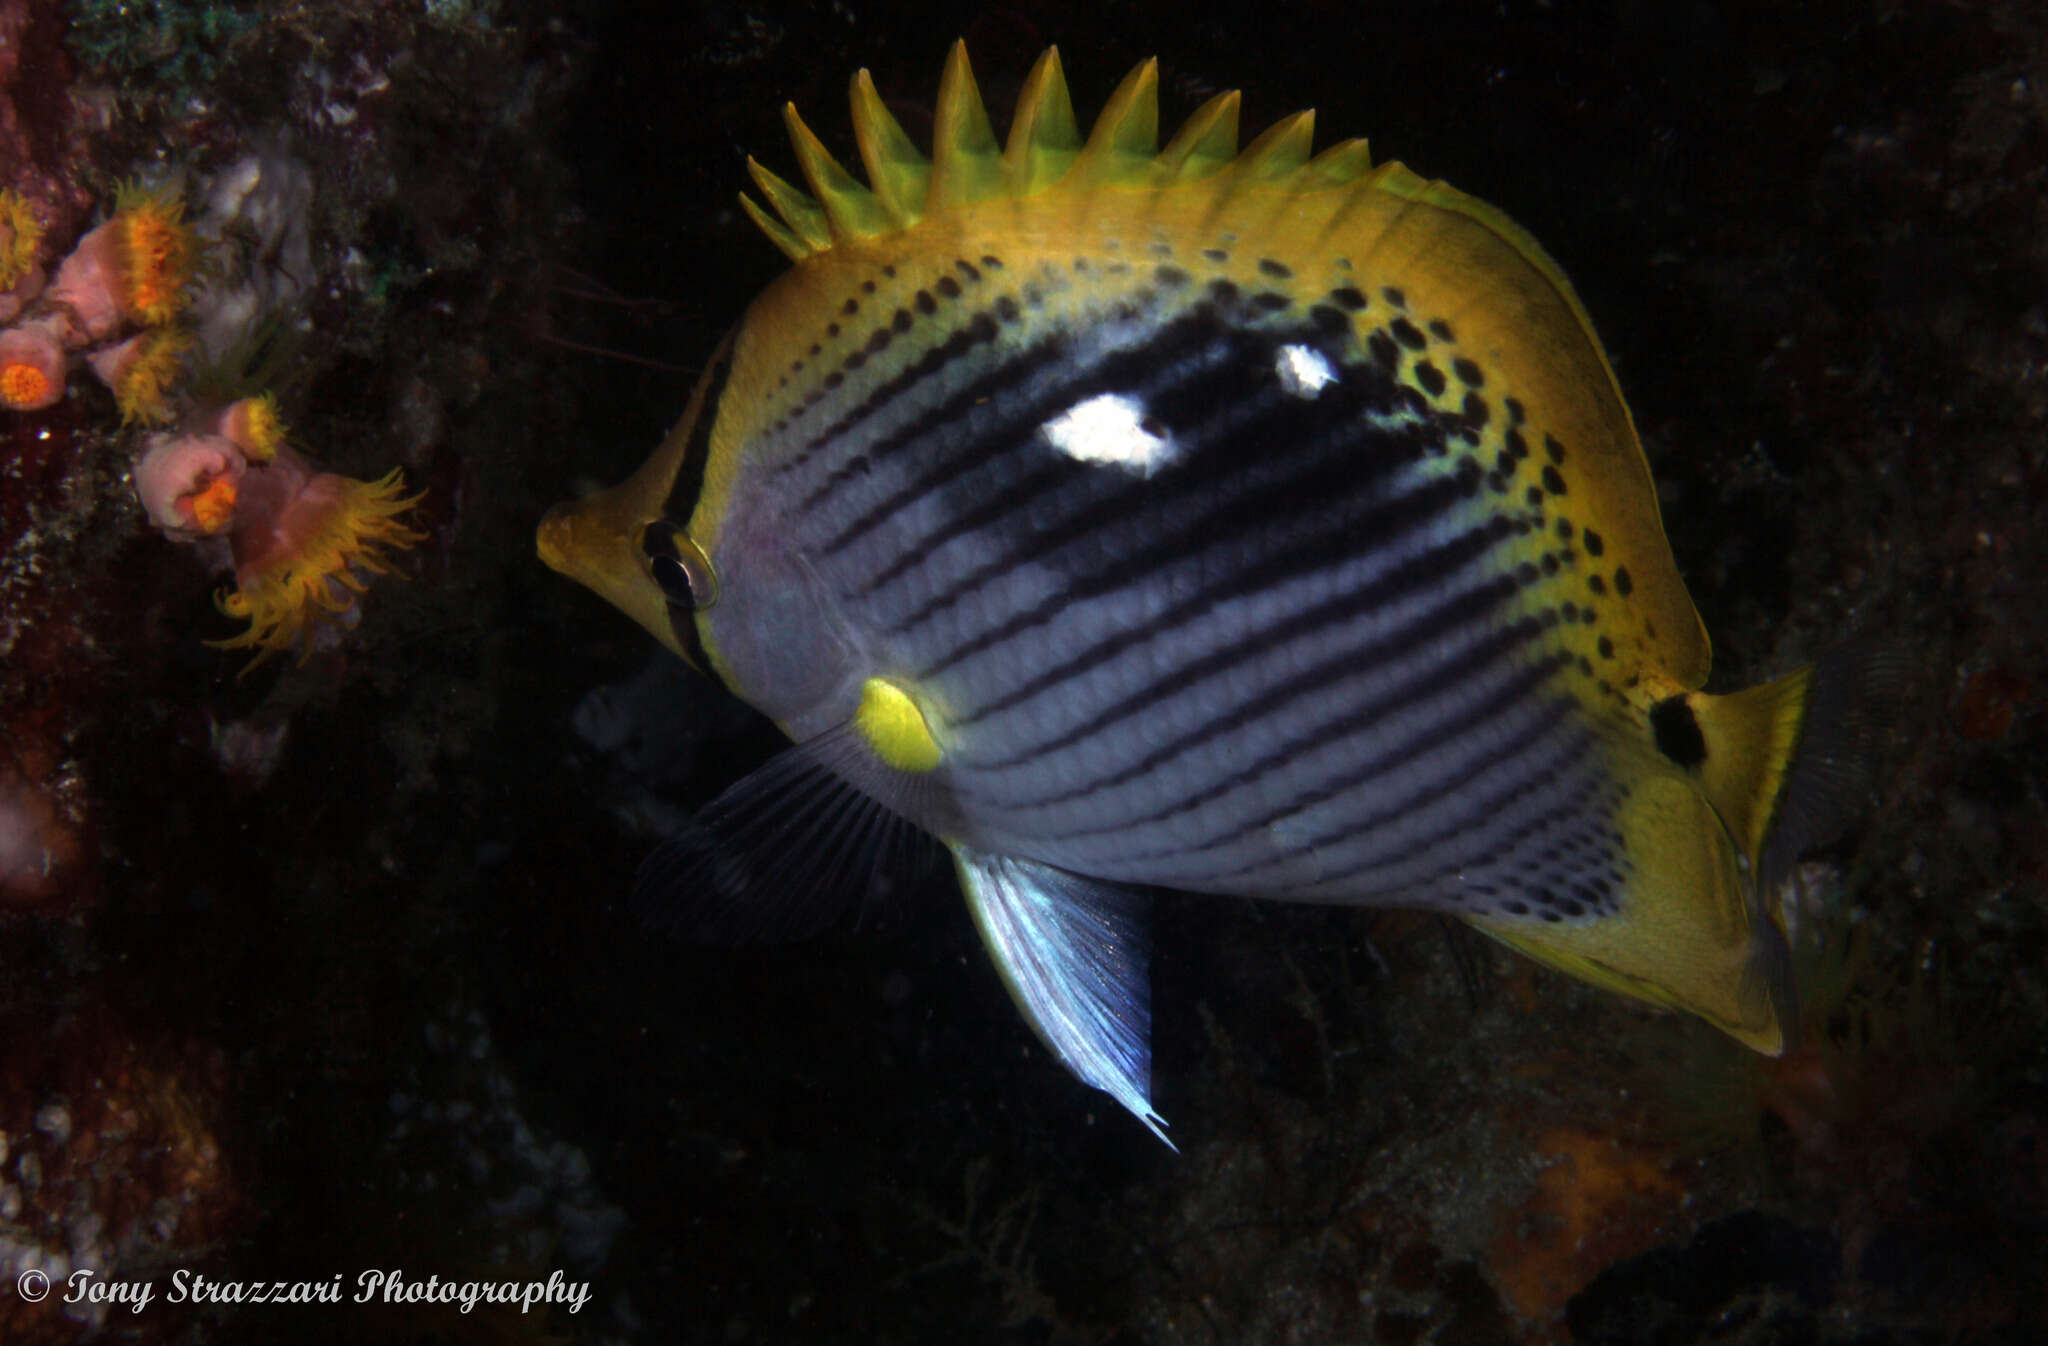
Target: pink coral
{"type": "Point", "coordinates": [303, 541]}
{"type": "Point", "coordinates": [31, 367]}
{"type": "Point", "coordinates": [137, 267]}
{"type": "Point", "coordinates": [189, 484]}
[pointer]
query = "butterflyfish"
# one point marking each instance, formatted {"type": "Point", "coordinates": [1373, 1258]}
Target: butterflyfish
{"type": "Point", "coordinates": [1210, 519]}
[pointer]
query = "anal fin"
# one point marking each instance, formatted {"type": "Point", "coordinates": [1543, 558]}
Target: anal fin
{"type": "Point", "coordinates": [1074, 953]}
{"type": "Point", "coordinates": [1691, 933]}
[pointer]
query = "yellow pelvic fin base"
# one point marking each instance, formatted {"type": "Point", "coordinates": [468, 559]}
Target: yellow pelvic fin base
{"type": "Point", "coordinates": [894, 727]}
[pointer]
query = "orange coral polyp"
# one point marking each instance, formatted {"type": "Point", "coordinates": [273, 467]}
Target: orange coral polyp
{"type": "Point", "coordinates": [306, 568]}
{"type": "Point", "coordinates": [211, 508]}
{"type": "Point", "coordinates": [24, 387]}
{"type": "Point", "coordinates": [255, 427]}
{"type": "Point", "coordinates": [158, 253]}
{"type": "Point", "coordinates": [143, 377]}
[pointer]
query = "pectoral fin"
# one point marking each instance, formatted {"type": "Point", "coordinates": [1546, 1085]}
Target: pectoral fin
{"type": "Point", "coordinates": [1074, 953]}
{"type": "Point", "coordinates": [783, 853]}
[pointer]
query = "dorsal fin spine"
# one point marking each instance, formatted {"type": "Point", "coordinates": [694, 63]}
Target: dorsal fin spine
{"type": "Point", "coordinates": [1126, 136]}
{"type": "Point", "coordinates": [1279, 151]}
{"type": "Point", "coordinates": [778, 232]}
{"type": "Point", "coordinates": [1046, 149]}
{"type": "Point", "coordinates": [1045, 138]}
{"type": "Point", "coordinates": [967, 166]}
{"type": "Point", "coordinates": [850, 209]}
{"type": "Point", "coordinates": [1205, 142]}
{"type": "Point", "coordinates": [897, 173]}
{"type": "Point", "coordinates": [798, 211]}
{"type": "Point", "coordinates": [1340, 165]}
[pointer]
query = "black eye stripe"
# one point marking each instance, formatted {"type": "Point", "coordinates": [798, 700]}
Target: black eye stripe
{"type": "Point", "coordinates": [689, 482]}
{"type": "Point", "coordinates": [678, 566]}
{"type": "Point", "coordinates": [674, 578]}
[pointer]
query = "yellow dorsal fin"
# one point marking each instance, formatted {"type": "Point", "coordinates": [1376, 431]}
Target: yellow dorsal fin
{"type": "Point", "coordinates": [899, 175]}
{"type": "Point", "coordinates": [807, 230]}
{"type": "Point", "coordinates": [1206, 141]}
{"type": "Point", "coordinates": [1046, 149]}
{"type": "Point", "coordinates": [966, 165]}
{"type": "Point", "coordinates": [1344, 162]}
{"type": "Point", "coordinates": [1126, 135]}
{"type": "Point", "coordinates": [1280, 151]}
{"type": "Point", "coordinates": [778, 232]}
{"type": "Point", "coordinates": [1044, 137]}
{"type": "Point", "coordinates": [850, 209]}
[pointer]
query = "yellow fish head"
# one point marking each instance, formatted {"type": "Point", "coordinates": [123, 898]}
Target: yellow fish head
{"type": "Point", "coordinates": [631, 544]}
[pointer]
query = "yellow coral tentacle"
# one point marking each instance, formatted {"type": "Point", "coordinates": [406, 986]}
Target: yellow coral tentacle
{"type": "Point", "coordinates": [142, 388]}
{"type": "Point", "coordinates": [159, 253]}
{"type": "Point", "coordinates": [287, 604]}
{"type": "Point", "coordinates": [21, 233]}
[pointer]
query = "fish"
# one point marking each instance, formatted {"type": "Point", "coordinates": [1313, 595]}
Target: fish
{"type": "Point", "coordinates": [1253, 521]}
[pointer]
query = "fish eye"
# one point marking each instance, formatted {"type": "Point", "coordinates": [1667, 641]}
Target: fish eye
{"type": "Point", "coordinates": [678, 565]}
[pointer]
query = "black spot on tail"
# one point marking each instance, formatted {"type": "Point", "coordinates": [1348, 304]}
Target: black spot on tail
{"type": "Point", "coordinates": [1678, 732]}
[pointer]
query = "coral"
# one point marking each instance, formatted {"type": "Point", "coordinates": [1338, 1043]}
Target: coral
{"type": "Point", "coordinates": [21, 238]}
{"type": "Point", "coordinates": [137, 267]}
{"type": "Point", "coordinates": [188, 484]}
{"type": "Point", "coordinates": [141, 372]}
{"type": "Point", "coordinates": [253, 425]}
{"type": "Point", "coordinates": [21, 235]}
{"type": "Point", "coordinates": [300, 540]}
{"type": "Point", "coordinates": [31, 367]}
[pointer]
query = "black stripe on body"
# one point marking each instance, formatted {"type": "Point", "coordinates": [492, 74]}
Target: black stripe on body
{"type": "Point", "coordinates": [1480, 800]}
{"type": "Point", "coordinates": [1514, 693]}
{"type": "Point", "coordinates": [1120, 370]}
{"type": "Point", "coordinates": [979, 329]}
{"type": "Point", "coordinates": [1229, 490]}
{"type": "Point", "coordinates": [1012, 372]}
{"type": "Point", "coordinates": [1499, 869]}
{"type": "Point", "coordinates": [1426, 685]}
{"type": "Point", "coordinates": [1231, 516]}
{"type": "Point", "coordinates": [1434, 566]}
{"type": "Point", "coordinates": [1180, 362]}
